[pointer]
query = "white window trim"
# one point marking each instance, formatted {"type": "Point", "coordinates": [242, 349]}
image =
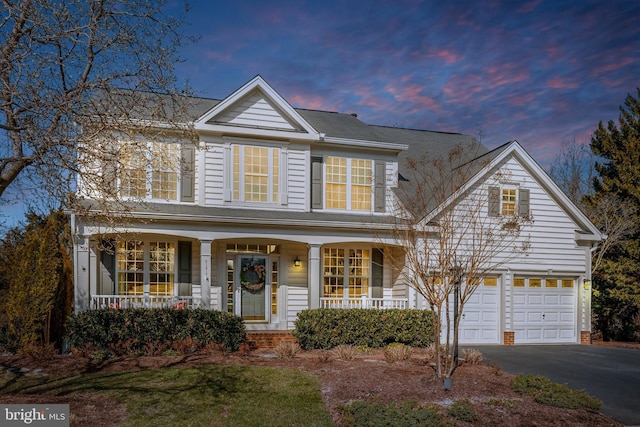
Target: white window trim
{"type": "Point", "coordinates": [148, 149]}
{"type": "Point", "coordinates": [146, 272]}
{"type": "Point", "coordinates": [349, 187]}
{"type": "Point", "coordinates": [228, 164]}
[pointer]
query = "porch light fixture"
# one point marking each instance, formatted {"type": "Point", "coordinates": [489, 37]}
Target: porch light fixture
{"type": "Point", "coordinates": [297, 262]}
{"type": "Point", "coordinates": [586, 283]}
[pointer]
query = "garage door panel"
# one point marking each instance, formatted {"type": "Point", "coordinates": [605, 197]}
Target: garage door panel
{"type": "Point", "coordinates": [480, 321]}
{"type": "Point", "coordinates": [544, 315]}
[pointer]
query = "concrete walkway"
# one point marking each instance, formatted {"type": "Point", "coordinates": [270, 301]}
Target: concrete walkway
{"type": "Point", "coordinates": [610, 374]}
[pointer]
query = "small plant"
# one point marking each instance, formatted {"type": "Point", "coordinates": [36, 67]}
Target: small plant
{"type": "Point", "coordinates": [397, 352]}
{"type": "Point", "coordinates": [171, 352]}
{"type": "Point", "coordinates": [100, 355]}
{"type": "Point", "coordinates": [462, 410]}
{"type": "Point", "coordinates": [549, 393]}
{"type": "Point", "coordinates": [505, 403]}
{"type": "Point", "coordinates": [472, 356]}
{"type": "Point", "coordinates": [287, 350]}
{"type": "Point", "coordinates": [430, 352]}
{"type": "Point", "coordinates": [372, 414]}
{"type": "Point", "coordinates": [324, 356]}
{"type": "Point", "coordinates": [344, 352]}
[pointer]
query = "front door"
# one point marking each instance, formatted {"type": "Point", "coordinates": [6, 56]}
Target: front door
{"type": "Point", "coordinates": [253, 283]}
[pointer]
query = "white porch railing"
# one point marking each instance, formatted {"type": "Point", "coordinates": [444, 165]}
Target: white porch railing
{"type": "Point", "coordinates": [143, 301]}
{"type": "Point", "coordinates": [364, 302]}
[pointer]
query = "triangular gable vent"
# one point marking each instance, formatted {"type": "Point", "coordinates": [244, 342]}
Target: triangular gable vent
{"type": "Point", "coordinates": [257, 111]}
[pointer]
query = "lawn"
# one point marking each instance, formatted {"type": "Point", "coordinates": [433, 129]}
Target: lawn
{"type": "Point", "coordinates": [195, 396]}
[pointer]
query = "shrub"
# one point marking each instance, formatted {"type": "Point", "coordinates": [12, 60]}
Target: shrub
{"type": "Point", "coordinates": [328, 328]}
{"type": "Point", "coordinates": [344, 352]}
{"type": "Point", "coordinates": [287, 350]}
{"type": "Point", "coordinates": [395, 352]}
{"type": "Point", "coordinates": [462, 410]}
{"type": "Point", "coordinates": [472, 356]}
{"type": "Point", "coordinates": [138, 331]}
{"type": "Point", "coordinates": [549, 393]}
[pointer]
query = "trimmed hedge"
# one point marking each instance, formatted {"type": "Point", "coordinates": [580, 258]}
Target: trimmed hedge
{"type": "Point", "coordinates": [327, 328]}
{"type": "Point", "coordinates": [140, 330]}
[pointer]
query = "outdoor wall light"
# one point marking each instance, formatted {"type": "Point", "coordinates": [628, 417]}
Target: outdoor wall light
{"type": "Point", "coordinates": [587, 284]}
{"type": "Point", "coordinates": [297, 262]}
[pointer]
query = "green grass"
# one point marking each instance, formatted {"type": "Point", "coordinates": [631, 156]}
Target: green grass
{"type": "Point", "coordinates": [206, 395]}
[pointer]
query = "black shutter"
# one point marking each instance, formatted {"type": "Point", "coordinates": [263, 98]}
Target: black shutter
{"type": "Point", "coordinates": [377, 273]}
{"type": "Point", "coordinates": [316, 183]}
{"type": "Point", "coordinates": [380, 192]}
{"type": "Point", "coordinates": [107, 284]}
{"type": "Point", "coordinates": [494, 201]}
{"type": "Point", "coordinates": [187, 174]}
{"type": "Point", "coordinates": [523, 203]}
{"type": "Point", "coordinates": [184, 268]}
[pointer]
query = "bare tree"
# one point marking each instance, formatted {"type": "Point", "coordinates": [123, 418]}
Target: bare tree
{"type": "Point", "coordinates": [60, 62]}
{"type": "Point", "coordinates": [573, 169]}
{"type": "Point", "coordinates": [451, 238]}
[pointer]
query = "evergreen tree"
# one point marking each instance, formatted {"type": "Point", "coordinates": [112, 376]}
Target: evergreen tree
{"type": "Point", "coordinates": [616, 299]}
{"type": "Point", "coordinates": [37, 272]}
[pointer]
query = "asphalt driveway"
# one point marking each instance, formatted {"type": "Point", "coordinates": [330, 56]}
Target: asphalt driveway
{"type": "Point", "coordinates": [610, 374]}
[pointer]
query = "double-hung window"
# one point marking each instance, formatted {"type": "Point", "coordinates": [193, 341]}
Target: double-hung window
{"type": "Point", "coordinates": [509, 201]}
{"type": "Point", "coordinates": [149, 171]}
{"type": "Point", "coordinates": [256, 174]}
{"type": "Point", "coordinates": [348, 184]}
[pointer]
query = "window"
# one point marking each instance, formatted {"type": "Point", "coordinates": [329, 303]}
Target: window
{"type": "Point", "coordinates": [535, 283]}
{"type": "Point", "coordinates": [149, 170]}
{"type": "Point", "coordinates": [551, 283]}
{"type": "Point", "coordinates": [141, 263]}
{"type": "Point", "coordinates": [256, 174]}
{"type": "Point", "coordinates": [346, 272]}
{"type": "Point", "coordinates": [348, 184]}
{"type": "Point", "coordinates": [567, 283]}
{"type": "Point", "coordinates": [490, 281]}
{"type": "Point", "coordinates": [508, 202]}
{"type": "Point", "coordinates": [518, 282]}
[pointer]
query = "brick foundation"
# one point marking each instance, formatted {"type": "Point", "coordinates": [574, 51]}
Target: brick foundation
{"type": "Point", "coordinates": [585, 337]}
{"type": "Point", "coordinates": [509, 338]}
{"type": "Point", "coordinates": [268, 339]}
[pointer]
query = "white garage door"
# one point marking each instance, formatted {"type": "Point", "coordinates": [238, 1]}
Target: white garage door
{"type": "Point", "coordinates": [480, 323]}
{"type": "Point", "coordinates": [544, 310]}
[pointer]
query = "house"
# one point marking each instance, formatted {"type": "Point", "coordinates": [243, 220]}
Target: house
{"type": "Point", "coordinates": [278, 209]}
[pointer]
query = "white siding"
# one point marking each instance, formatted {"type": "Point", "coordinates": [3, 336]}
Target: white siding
{"type": "Point", "coordinates": [255, 111]}
{"type": "Point", "coordinates": [297, 300]}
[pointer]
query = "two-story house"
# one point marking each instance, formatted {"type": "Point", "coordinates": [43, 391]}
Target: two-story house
{"type": "Point", "coordinates": [277, 209]}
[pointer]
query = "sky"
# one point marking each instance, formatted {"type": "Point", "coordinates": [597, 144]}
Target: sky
{"type": "Point", "coordinates": [541, 72]}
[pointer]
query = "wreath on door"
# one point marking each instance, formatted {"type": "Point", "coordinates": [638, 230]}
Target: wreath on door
{"type": "Point", "coordinates": [252, 277]}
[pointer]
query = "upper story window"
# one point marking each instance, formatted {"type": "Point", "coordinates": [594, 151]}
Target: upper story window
{"type": "Point", "coordinates": [508, 201]}
{"type": "Point", "coordinates": [149, 171]}
{"type": "Point", "coordinates": [256, 174]}
{"type": "Point", "coordinates": [348, 184]}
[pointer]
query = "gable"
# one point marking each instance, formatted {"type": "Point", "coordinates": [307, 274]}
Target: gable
{"type": "Point", "coordinates": [255, 110]}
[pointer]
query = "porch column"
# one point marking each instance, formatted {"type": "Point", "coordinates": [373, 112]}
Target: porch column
{"type": "Point", "coordinates": [205, 272]}
{"type": "Point", "coordinates": [314, 275]}
{"type": "Point", "coordinates": [81, 273]}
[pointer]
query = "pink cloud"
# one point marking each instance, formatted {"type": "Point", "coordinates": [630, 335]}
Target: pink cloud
{"type": "Point", "coordinates": [520, 99]}
{"type": "Point", "coordinates": [413, 93]}
{"type": "Point", "coordinates": [505, 74]}
{"type": "Point", "coordinates": [309, 102]}
{"type": "Point", "coordinates": [218, 55]}
{"type": "Point", "coordinates": [614, 66]}
{"type": "Point", "coordinates": [528, 7]}
{"type": "Point", "coordinates": [561, 83]}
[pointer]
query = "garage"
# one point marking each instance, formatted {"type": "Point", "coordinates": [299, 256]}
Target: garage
{"type": "Point", "coordinates": [480, 323]}
{"type": "Point", "coordinates": [544, 310]}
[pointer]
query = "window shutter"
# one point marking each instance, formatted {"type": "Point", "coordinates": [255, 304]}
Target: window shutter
{"type": "Point", "coordinates": [187, 174]}
{"type": "Point", "coordinates": [316, 182]}
{"type": "Point", "coordinates": [494, 201]}
{"type": "Point", "coordinates": [380, 192]}
{"type": "Point", "coordinates": [110, 170]}
{"type": "Point", "coordinates": [107, 270]}
{"type": "Point", "coordinates": [523, 203]}
{"type": "Point", "coordinates": [377, 273]}
{"type": "Point", "coordinates": [184, 268]}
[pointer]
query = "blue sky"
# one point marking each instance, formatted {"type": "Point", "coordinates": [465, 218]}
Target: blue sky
{"type": "Point", "coordinates": [541, 72]}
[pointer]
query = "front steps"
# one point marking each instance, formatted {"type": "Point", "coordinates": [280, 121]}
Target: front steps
{"type": "Point", "coordinates": [268, 339]}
